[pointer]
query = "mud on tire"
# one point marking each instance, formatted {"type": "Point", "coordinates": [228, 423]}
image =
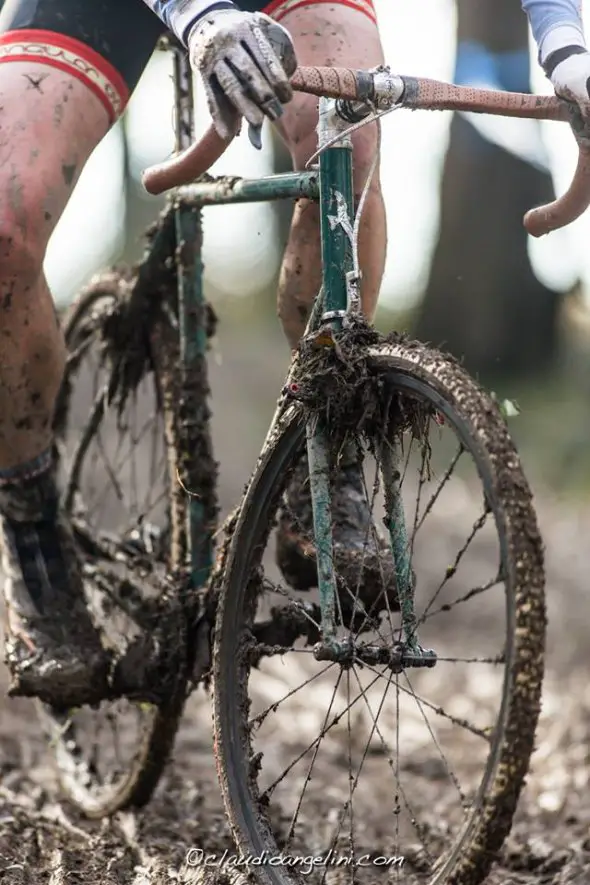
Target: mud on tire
{"type": "Point", "coordinates": [409, 367]}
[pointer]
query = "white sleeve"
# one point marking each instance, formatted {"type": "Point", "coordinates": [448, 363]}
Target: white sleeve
{"type": "Point", "coordinates": [555, 24]}
{"type": "Point", "coordinates": [180, 15]}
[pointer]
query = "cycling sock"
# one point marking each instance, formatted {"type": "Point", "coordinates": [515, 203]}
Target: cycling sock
{"type": "Point", "coordinates": [28, 491]}
{"type": "Point", "coordinates": [29, 500]}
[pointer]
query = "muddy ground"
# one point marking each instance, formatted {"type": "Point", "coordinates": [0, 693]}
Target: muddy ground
{"type": "Point", "coordinates": [42, 841]}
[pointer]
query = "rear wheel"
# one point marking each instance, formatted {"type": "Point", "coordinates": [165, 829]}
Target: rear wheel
{"type": "Point", "coordinates": [442, 752]}
{"type": "Point", "coordinates": [116, 438]}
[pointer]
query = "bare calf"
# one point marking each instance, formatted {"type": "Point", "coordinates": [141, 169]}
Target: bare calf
{"type": "Point", "coordinates": [51, 123]}
{"type": "Point", "coordinates": [329, 35]}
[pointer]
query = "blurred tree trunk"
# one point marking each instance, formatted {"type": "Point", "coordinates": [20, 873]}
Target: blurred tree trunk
{"type": "Point", "coordinates": [483, 302]}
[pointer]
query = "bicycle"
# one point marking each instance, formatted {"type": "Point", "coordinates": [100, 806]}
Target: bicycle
{"type": "Point", "coordinates": [224, 619]}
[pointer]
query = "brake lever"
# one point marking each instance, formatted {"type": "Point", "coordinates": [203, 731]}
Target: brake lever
{"type": "Point", "coordinates": [255, 136]}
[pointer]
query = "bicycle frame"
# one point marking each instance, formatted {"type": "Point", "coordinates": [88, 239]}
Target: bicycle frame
{"type": "Point", "coordinates": [331, 184]}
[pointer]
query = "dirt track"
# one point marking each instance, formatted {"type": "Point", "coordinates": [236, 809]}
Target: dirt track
{"type": "Point", "coordinates": [42, 842]}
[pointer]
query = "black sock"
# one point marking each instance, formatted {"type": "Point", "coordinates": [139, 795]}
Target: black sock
{"type": "Point", "coordinates": [29, 492]}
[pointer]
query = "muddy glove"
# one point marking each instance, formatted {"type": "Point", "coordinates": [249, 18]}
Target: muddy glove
{"type": "Point", "coordinates": [570, 77]}
{"type": "Point", "coordinates": [245, 60]}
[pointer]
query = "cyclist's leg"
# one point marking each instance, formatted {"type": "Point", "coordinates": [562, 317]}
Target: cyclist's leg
{"type": "Point", "coordinates": [346, 34]}
{"type": "Point", "coordinates": [334, 33]}
{"type": "Point", "coordinates": [66, 70]}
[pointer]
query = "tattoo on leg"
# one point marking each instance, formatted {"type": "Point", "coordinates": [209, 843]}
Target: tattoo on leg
{"type": "Point", "coordinates": [35, 81]}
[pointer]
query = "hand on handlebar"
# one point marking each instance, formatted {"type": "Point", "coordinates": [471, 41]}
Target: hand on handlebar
{"type": "Point", "coordinates": [571, 81]}
{"type": "Point", "coordinates": [245, 60]}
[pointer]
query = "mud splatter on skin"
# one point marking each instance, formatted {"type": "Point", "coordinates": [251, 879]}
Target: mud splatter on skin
{"type": "Point", "coordinates": [51, 199]}
{"type": "Point", "coordinates": [58, 115]}
{"type": "Point", "coordinates": [6, 151]}
{"type": "Point", "coordinates": [68, 172]}
{"type": "Point", "coordinates": [17, 202]}
{"type": "Point", "coordinates": [5, 246]}
{"type": "Point", "coordinates": [35, 81]}
{"type": "Point", "coordinates": [37, 185]}
{"type": "Point", "coordinates": [7, 298]}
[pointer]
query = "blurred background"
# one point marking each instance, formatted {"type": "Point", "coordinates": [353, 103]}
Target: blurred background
{"type": "Point", "coordinates": [461, 272]}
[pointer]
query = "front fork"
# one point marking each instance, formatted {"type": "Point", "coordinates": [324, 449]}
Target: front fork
{"type": "Point", "coordinates": [341, 287]}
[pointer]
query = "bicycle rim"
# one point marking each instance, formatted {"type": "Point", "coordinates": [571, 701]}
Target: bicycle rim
{"type": "Point", "coordinates": [414, 371]}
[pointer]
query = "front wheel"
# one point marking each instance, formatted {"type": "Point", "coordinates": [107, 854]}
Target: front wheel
{"type": "Point", "coordinates": [115, 444]}
{"type": "Point", "coordinates": [361, 765]}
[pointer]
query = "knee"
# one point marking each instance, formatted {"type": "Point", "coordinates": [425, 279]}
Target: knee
{"type": "Point", "coordinates": [299, 130]}
{"type": "Point", "coordinates": [365, 149]}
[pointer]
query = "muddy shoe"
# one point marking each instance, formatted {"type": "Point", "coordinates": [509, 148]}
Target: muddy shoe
{"type": "Point", "coordinates": [53, 650]}
{"type": "Point", "coordinates": [362, 557]}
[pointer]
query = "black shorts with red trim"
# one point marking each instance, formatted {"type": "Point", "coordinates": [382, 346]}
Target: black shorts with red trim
{"type": "Point", "coordinates": [105, 43]}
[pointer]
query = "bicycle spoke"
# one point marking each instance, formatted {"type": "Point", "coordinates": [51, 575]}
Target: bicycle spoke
{"type": "Point", "coordinates": [257, 720]}
{"type": "Point", "coordinates": [335, 721]}
{"type": "Point", "coordinates": [313, 759]}
{"type": "Point", "coordinates": [440, 711]}
{"type": "Point", "coordinates": [451, 570]}
{"type": "Point", "coordinates": [410, 766]}
{"type": "Point", "coordinates": [420, 705]}
{"type": "Point", "coordinates": [471, 594]}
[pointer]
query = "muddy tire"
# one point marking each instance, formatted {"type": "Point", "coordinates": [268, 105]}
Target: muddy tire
{"type": "Point", "coordinates": [117, 785]}
{"type": "Point", "coordinates": [409, 369]}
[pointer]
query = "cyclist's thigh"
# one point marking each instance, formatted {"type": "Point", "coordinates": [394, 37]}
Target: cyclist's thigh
{"type": "Point", "coordinates": [67, 68]}
{"type": "Point", "coordinates": [324, 33]}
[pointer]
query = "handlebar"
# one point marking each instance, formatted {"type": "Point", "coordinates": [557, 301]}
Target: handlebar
{"type": "Point", "coordinates": [385, 90]}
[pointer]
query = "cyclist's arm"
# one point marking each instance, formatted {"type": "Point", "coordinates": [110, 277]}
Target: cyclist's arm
{"type": "Point", "coordinates": [557, 28]}
{"type": "Point", "coordinates": [180, 15]}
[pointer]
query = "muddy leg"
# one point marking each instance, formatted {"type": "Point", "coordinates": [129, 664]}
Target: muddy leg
{"type": "Point", "coordinates": [50, 124]}
{"type": "Point", "coordinates": [329, 35]}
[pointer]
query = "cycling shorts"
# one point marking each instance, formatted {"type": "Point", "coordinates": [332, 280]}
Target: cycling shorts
{"type": "Point", "coordinates": [106, 43]}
